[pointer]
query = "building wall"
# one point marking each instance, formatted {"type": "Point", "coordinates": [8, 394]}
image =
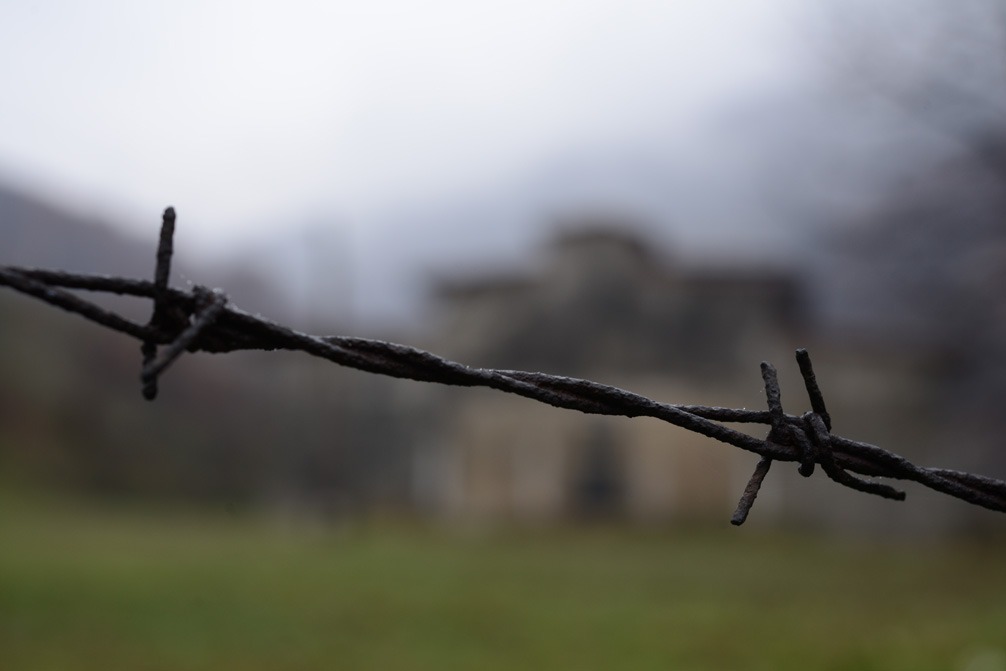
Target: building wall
{"type": "Point", "coordinates": [604, 307]}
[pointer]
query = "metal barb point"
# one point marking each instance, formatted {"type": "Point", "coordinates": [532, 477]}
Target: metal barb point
{"type": "Point", "coordinates": [750, 492]}
{"type": "Point", "coordinates": [813, 390]}
{"type": "Point", "coordinates": [159, 318]}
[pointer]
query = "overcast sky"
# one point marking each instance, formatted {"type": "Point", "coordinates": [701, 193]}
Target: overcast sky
{"type": "Point", "coordinates": [246, 114]}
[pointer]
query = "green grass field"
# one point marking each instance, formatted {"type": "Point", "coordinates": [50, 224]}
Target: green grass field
{"type": "Point", "coordinates": [85, 589]}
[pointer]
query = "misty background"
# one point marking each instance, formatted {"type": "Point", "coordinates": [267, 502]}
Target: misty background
{"type": "Point", "coordinates": [364, 168]}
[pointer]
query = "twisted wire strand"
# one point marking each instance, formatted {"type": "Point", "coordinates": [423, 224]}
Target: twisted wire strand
{"type": "Point", "coordinates": [202, 320]}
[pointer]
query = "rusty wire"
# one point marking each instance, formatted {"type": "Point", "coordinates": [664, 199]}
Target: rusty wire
{"type": "Point", "coordinates": [202, 320]}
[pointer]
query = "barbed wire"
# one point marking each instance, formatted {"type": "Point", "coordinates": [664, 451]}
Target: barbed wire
{"type": "Point", "coordinates": [202, 320]}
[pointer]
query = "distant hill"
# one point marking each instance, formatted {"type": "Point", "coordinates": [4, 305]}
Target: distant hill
{"type": "Point", "coordinates": [37, 233]}
{"type": "Point", "coordinates": [241, 428]}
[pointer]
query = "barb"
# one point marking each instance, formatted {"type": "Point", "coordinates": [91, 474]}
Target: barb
{"type": "Point", "coordinates": [813, 391]}
{"type": "Point", "coordinates": [163, 313]}
{"type": "Point", "coordinates": [750, 492]}
{"type": "Point", "coordinates": [202, 320]}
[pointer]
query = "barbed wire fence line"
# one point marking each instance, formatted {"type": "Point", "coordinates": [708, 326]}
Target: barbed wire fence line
{"type": "Point", "coordinates": [202, 320]}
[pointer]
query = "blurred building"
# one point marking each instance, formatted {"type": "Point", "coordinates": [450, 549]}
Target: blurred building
{"type": "Point", "coordinates": [603, 305]}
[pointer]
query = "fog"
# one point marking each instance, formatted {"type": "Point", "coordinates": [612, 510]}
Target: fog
{"type": "Point", "coordinates": [248, 114]}
{"type": "Point", "coordinates": [417, 135]}
{"type": "Point", "coordinates": [450, 135]}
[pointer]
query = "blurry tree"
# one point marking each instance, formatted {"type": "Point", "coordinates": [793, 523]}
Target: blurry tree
{"type": "Point", "coordinates": [927, 263]}
{"type": "Point", "coordinates": [942, 64]}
